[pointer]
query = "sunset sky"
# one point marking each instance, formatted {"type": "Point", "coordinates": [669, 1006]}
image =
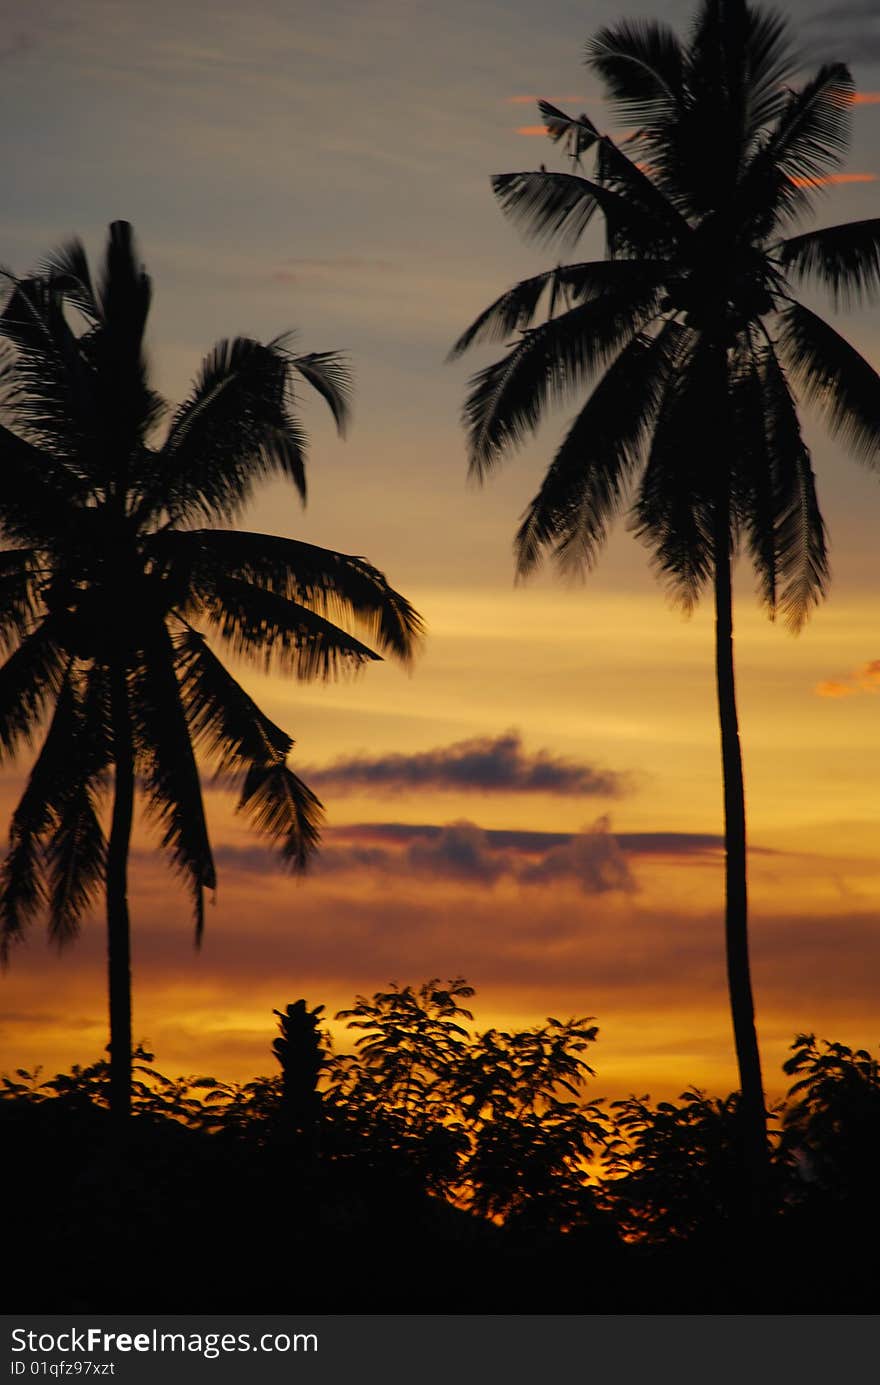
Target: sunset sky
{"type": "Point", "coordinates": [537, 804]}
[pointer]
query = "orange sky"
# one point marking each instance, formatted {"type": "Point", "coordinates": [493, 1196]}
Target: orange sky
{"type": "Point", "coordinates": [334, 177]}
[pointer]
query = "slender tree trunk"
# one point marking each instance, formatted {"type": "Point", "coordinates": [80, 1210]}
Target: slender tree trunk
{"type": "Point", "coordinates": [754, 1115]}
{"type": "Point", "coordinates": [118, 932]}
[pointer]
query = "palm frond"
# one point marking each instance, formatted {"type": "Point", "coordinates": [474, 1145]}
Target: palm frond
{"type": "Point", "coordinates": [223, 718]}
{"type": "Point", "coordinates": [808, 141]}
{"type": "Point", "coordinates": [68, 268]}
{"type": "Point", "coordinates": [329, 374]}
{"type": "Point", "coordinates": [54, 403]}
{"type": "Point", "coordinates": [70, 764]}
{"type": "Point", "coordinates": [515, 310]}
{"type": "Point", "coordinates": [234, 429]}
{"type": "Point", "coordinates": [618, 172]}
{"type": "Point", "coordinates": [674, 513]}
{"type": "Point", "coordinates": [753, 493]}
{"type": "Point", "coordinates": [844, 259]}
{"type": "Point", "coordinates": [833, 375]}
{"type": "Point", "coordinates": [75, 861]}
{"type": "Point", "coordinates": [735, 69]}
{"type": "Point", "coordinates": [771, 63]}
{"type": "Point", "coordinates": [641, 64]}
{"type": "Point", "coordinates": [19, 599]}
{"type": "Point", "coordinates": [22, 891]}
{"type": "Point", "coordinates": [550, 206]}
{"type": "Point", "coordinates": [283, 808]}
{"type": "Point", "coordinates": [38, 491]}
{"type": "Point", "coordinates": [576, 134]}
{"type": "Point", "coordinates": [800, 539]}
{"type": "Point", "coordinates": [547, 206]}
{"type": "Point", "coordinates": [165, 757]}
{"type": "Point", "coordinates": [507, 399]}
{"type": "Point", "coordinates": [28, 679]}
{"type": "Point", "coordinates": [336, 585]}
{"type": "Point", "coordinates": [22, 887]}
{"type": "Point", "coordinates": [275, 632]}
{"type": "Point", "coordinates": [512, 312]}
{"type": "Point", "coordinates": [585, 485]}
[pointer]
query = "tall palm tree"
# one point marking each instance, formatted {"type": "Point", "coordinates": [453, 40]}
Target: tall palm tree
{"type": "Point", "coordinates": [110, 586]}
{"type": "Point", "coordinates": [691, 325]}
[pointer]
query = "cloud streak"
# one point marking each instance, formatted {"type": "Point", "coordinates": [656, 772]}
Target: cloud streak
{"type": "Point", "coordinates": [525, 840]}
{"type": "Point", "coordinates": [865, 679]}
{"type": "Point", "coordinates": [833, 180]}
{"type": "Point", "coordinates": [484, 764]}
{"type": "Point", "coordinates": [461, 853]}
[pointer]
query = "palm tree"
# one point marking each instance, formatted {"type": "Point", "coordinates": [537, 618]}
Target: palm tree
{"type": "Point", "coordinates": [110, 585]}
{"type": "Point", "coordinates": [691, 325]}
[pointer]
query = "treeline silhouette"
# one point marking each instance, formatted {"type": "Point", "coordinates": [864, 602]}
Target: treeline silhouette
{"type": "Point", "coordinates": [437, 1169]}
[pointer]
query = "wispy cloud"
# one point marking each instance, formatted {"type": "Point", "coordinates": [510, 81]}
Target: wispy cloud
{"type": "Point", "coordinates": [484, 764]}
{"type": "Point", "coordinates": [834, 180]}
{"type": "Point", "coordinates": [536, 840]}
{"type": "Point", "coordinates": [865, 679]}
{"type": "Point", "coordinates": [866, 98]}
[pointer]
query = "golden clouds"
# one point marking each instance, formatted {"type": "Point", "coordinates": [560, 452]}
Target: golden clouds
{"type": "Point", "coordinates": [861, 680]}
{"type": "Point", "coordinates": [650, 966]}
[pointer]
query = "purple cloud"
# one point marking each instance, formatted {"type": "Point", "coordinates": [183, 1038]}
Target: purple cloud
{"type": "Point", "coordinates": [461, 851]}
{"type": "Point", "coordinates": [484, 764]}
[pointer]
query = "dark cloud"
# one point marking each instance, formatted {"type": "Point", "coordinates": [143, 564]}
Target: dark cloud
{"type": "Point", "coordinates": [463, 852]}
{"type": "Point", "coordinates": [847, 33]}
{"type": "Point", "coordinates": [485, 764]}
{"type": "Point", "coordinates": [596, 860]}
{"type": "Point", "coordinates": [635, 843]}
{"type": "Point", "coordinates": [459, 851]}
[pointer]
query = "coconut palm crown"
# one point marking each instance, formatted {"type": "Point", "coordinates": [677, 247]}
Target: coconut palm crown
{"type": "Point", "coordinates": [112, 588]}
{"type": "Point", "coordinates": [700, 349]}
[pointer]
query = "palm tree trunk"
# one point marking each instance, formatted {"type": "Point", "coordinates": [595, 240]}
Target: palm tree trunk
{"type": "Point", "coordinates": [118, 932]}
{"type": "Point", "coordinates": [754, 1115]}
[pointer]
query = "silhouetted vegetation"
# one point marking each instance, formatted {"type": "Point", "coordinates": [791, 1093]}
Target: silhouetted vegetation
{"type": "Point", "coordinates": [437, 1169]}
{"type": "Point", "coordinates": [693, 329]}
{"type": "Point", "coordinates": [110, 586]}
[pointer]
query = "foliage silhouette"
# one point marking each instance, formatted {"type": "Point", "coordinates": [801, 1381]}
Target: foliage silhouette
{"type": "Point", "coordinates": [634, 1209]}
{"type": "Point", "coordinates": [832, 1121]}
{"type": "Point", "coordinates": [674, 1168]}
{"type": "Point", "coordinates": [300, 1051]}
{"type": "Point", "coordinates": [492, 1121]}
{"type": "Point", "coordinates": [393, 1100]}
{"type": "Point", "coordinates": [109, 584]}
{"type": "Point", "coordinates": [692, 327]}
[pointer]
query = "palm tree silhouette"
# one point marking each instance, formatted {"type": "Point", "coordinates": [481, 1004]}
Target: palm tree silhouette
{"type": "Point", "coordinates": [110, 585]}
{"type": "Point", "coordinates": [692, 319]}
